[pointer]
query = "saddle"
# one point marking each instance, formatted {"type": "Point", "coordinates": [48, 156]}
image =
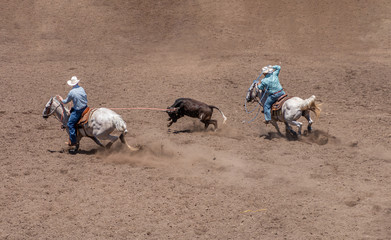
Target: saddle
{"type": "Point", "coordinates": [280, 101]}
{"type": "Point", "coordinates": [85, 116]}
{"type": "Point", "coordinates": [84, 119]}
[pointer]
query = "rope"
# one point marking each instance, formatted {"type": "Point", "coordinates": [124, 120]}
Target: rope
{"type": "Point", "coordinates": [259, 102]}
{"type": "Point", "coordinates": [139, 108]}
{"type": "Point", "coordinates": [259, 108]}
{"type": "Point", "coordinates": [245, 107]}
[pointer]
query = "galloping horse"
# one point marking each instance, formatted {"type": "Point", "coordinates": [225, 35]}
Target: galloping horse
{"type": "Point", "coordinates": [291, 110]}
{"type": "Point", "coordinates": [102, 122]}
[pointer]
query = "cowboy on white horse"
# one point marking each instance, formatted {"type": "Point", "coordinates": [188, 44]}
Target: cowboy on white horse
{"type": "Point", "coordinates": [79, 98]}
{"type": "Point", "coordinates": [272, 85]}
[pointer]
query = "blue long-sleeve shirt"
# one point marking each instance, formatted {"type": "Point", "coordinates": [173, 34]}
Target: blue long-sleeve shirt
{"type": "Point", "coordinates": [271, 82]}
{"type": "Point", "coordinates": [78, 96]}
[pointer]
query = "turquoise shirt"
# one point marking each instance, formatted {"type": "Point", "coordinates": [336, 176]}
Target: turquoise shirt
{"type": "Point", "coordinates": [271, 82]}
{"type": "Point", "coordinates": [78, 96]}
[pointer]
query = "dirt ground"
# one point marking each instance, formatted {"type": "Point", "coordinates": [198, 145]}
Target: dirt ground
{"type": "Point", "coordinates": [242, 181]}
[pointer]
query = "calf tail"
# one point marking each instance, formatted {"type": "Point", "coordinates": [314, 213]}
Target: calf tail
{"type": "Point", "coordinates": [309, 104]}
{"type": "Point", "coordinates": [225, 118]}
{"type": "Point", "coordinates": [120, 124]}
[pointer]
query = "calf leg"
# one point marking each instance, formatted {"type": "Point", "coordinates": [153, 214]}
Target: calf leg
{"type": "Point", "coordinates": [206, 122]}
{"type": "Point", "coordinates": [214, 122]}
{"type": "Point", "coordinates": [172, 121]}
{"type": "Point", "coordinates": [206, 119]}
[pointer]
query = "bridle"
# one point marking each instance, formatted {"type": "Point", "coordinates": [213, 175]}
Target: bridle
{"type": "Point", "coordinates": [54, 110]}
{"type": "Point", "coordinates": [249, 94]}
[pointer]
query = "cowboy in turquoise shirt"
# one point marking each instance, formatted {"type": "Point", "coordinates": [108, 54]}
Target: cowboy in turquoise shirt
{"type": "Point", "coordinates": [271, 84]}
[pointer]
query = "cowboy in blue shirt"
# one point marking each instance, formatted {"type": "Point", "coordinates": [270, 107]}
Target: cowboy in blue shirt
{"type": "Point", "coordinates": [272, 85]}
{"type": "Point", "coordinates": [79, 98]}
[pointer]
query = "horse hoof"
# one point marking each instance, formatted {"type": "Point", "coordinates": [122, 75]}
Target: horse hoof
{"type": "Point", "coordinates": [72, 151]}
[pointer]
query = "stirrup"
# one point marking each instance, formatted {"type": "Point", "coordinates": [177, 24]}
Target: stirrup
{"type": "Point", "coordinates": [71, 144]}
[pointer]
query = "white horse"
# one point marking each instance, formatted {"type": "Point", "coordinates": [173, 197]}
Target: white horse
{"type": "Point", "coordinates": [291, 110]}
{"type": "Point", "coordinates": [102, 122]}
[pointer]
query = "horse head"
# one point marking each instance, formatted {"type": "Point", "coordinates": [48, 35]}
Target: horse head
{"type": "Point", "coordinates": [47, 111]}
{"type": "Point", "coordinates": [51, 106]}
{"type": "Point", "coordinates": [252, 92]}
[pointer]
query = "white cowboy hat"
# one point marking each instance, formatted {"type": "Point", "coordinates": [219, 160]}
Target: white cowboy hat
{"type": "Point", "coordinates": [267, 69]}
{"type": "Point", "coordinates": [73, 81]}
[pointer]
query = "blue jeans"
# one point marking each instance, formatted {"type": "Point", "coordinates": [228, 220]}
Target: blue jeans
{"type": "Point", "coordinates": [72, 121]}
{"type": "Point", "coordinates": [271, 99]}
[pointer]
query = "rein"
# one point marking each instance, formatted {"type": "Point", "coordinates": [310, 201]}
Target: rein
{"type": "Point", "coordinates": [51, 113]}
{"type": "Point", "coordinates": [62, 114]}
{"type": "Point", "coordinates": [259, 101]}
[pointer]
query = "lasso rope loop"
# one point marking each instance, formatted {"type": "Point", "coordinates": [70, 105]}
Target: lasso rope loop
{"type": "Point", "coordinates": [259, 108]}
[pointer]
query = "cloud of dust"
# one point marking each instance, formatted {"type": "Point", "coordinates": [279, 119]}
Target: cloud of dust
{"type": "Point", "coordinates": [223, 130]}
{"type": "Point", "coordinates": [320, 137]}
{"type": "Point", "coordinates": [182, 159]}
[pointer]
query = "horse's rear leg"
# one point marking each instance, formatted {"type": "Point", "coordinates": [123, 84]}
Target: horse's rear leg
{"type": "Point", "coordinates": [97, 141]}
{"type": "Point", "coordinates": [297, 124]}
{"type": "Point", "coordinates": [122, 138]}
{"type": "Point", "coordinates": [112, 139]}
{"type": "Point", "coordinates": [306, 114]}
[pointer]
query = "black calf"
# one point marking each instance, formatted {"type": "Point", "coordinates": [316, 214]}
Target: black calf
{"type": "Point", "coordinates": [192, 108]}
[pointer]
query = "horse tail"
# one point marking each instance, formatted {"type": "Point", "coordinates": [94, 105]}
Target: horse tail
{"type": "Point", "coordinates": [309, 104]}
{"type": "Point", "coordinates": [120, 124]}
{"type": "Point", "coordinates": [225, 118]}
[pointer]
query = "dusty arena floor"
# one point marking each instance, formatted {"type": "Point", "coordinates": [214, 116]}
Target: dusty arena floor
{"type": "Point", "coordinates": [242, 181]}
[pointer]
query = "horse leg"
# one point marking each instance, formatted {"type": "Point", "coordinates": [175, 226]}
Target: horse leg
{"type": "Point", "coordinates": [97, 141]}
{"type": "Point", "coordinates": [296, 123]}
{"type": "Point", "coordinates": [107, 136]}
{"type": "Point", "coordinates": [112, 140]}
{"type": "Point", "coordinates": [306, 114]}
{"type": "Point", "coordinates": [122, 138]}
{"type": "Point", "coordinates": [275, 124]}
{"type": "Point", "coordinates": [74, 150]}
